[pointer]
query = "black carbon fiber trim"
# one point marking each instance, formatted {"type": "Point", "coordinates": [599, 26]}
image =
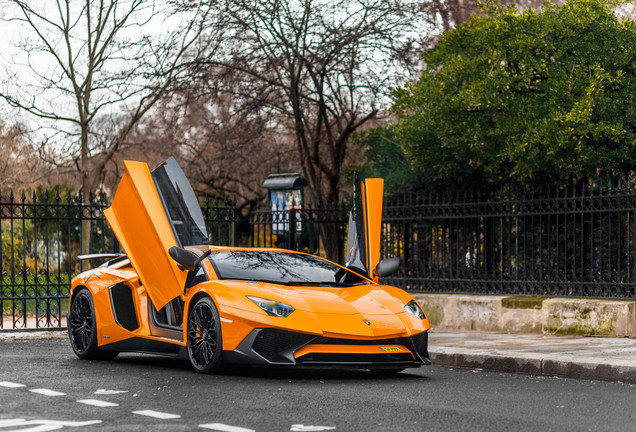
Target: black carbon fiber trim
{"type": "Point", "coordinates": [274, 347]}
{"type": "Point", "coordinates": [357, 359]}
{"type": "Point", "coordinates": [278, 346]}
{"type": "Point", "coordinates": [121, 299]}
{"type": "Point", "coordinates": [137, 344]}
{"type": "Point", "coordinates": [420, 345]}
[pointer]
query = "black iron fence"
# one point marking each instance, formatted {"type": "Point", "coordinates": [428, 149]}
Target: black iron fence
{"type": "Point", "coordinates": [41, 239]}
{"type": "Point", "coordinates": [320, 231]}
{"type": "Point", "coordinates": [569, 242]}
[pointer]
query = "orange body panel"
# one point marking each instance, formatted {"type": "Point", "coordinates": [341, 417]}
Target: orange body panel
{"type": "Point", "coordinates": [138, 220]}
{"type": "Point", "coordinates": [99, 282]}
{"type": "Point", "coordinates": [373, 194]}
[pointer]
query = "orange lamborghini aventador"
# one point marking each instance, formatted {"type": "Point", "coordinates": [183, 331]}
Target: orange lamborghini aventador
{"type": "Point", "coordinates": [171, 293]}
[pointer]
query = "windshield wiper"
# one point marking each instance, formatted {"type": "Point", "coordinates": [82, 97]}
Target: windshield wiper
{"type": "Point", "coordinates": [323, 283]}
{"type": "Point", "coordinates": [260, 280]}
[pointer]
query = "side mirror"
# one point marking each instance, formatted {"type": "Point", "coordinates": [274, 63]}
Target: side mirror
{"type": "Point", "coordinates": [185, 259]}
{"type": "Point", "coordinates": [387, 267]}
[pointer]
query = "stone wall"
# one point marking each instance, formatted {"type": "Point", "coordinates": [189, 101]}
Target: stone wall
{"type": "Point", "coordinates": [558, 316]}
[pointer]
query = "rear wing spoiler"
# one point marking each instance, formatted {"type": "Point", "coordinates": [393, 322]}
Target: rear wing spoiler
{"type": "Point", "coordinates": [100, 256]}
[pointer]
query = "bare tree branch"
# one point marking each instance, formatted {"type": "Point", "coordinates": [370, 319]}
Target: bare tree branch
{"type": "Point", "coordinates": [88, 59]}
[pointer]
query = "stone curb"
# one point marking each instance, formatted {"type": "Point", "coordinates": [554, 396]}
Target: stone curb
{"type": "Point", "coordinates": [535, 364]}
{"type": "Point", "coordinates": [47, 334]}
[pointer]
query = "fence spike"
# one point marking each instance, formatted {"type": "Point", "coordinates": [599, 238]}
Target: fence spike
{"type": "Point", "coordinates": [57, 195]}
{"type": "Point", "coordinates": [34, 197]}
{"type": "Point", "coordinates": [207, 200]}
{"type": "Point", "coordinates": [46, 195]}
{"type": "Point", "coordinates": [23, 196]}
{"type": "Point", "coordinates": [234, 201]}
{"type": "Point", "coordinates": [216, 201]}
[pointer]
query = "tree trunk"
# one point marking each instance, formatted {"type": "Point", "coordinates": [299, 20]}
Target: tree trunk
{"type": "Point", "coordinates": [85, 234]}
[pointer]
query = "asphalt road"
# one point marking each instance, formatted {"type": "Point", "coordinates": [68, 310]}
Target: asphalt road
{"type": "Point", "coordinates": [144, 388]}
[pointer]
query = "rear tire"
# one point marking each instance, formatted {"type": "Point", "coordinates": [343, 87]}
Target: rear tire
{"type": "Point", "coordinates": [204, 341]}
{"type": "Point", "coordinates": [82, 329]}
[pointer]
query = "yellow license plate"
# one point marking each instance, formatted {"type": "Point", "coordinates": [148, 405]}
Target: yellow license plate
{"type": "Point", "coordinates": [391, 349]}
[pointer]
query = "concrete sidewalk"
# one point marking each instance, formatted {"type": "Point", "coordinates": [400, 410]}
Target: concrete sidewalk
{"type": "Point", "coordinates": [601, 358]}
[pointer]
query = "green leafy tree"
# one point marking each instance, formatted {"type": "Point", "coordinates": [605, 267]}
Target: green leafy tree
{"type": "Point", "coordinates": [547, 95]}
{"type": "Point", "coordinates": [383, 158]}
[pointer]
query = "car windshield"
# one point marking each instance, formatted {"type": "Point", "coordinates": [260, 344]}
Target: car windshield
{"type": "Point", "coordinates": [282, 268]}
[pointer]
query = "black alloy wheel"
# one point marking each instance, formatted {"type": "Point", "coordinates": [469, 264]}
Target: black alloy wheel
{"type": "Point", "coordinates": [82, 329]}
{"type": "Point", "coordinates": [204, 337]}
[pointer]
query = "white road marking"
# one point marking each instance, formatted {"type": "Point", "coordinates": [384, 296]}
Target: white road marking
{"type": "Point", "coordinates": [225, 428]}
{"type": "Point", "coordinates": [308, 428]}
{"type": "Point", "coordinates": [10, 384]}
{"type": "Point", "coordinates": [97, 403]}
{"type": "Point", "coordinates": [157, 414]}
{"type": "Point", "coordinates": [109, 392]}
{"type": "Point", "coordinates": [39, 428]}
{"type": "Point", "coordinates": [43, 425]}
{"type": "Point", "coordinates": [47, 392]}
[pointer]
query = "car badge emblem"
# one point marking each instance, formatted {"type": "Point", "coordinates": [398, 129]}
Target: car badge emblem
{"type": "Point", "coordinates": [367, 322]}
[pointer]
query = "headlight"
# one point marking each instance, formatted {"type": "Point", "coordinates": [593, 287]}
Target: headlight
{"type": "Point", "coordinates": [414, 309]}
{"type": "Point", "coordinates": [273, 308]}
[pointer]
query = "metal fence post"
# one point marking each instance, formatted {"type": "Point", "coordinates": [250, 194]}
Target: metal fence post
{"type": "Point", "coordinates": [292, 228]}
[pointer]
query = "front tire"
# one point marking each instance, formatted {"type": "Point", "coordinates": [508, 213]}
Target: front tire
{"type": "Point", "coordinates": [82, 329]}
{"type": "Point", "coordinates": [204, 337]}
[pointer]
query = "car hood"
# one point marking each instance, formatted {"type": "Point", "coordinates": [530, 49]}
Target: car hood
{"type": "Point", "coordinates": [364, 310]}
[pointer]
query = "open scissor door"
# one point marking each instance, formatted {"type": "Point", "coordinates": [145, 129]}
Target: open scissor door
{"type": "Point", "coordinates": [365, 226]}
{"type": "Point", "coordinates": [150, 214]}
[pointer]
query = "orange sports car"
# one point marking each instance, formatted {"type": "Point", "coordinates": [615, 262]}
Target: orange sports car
{"type": "Point", "coordinates": [172, 293]}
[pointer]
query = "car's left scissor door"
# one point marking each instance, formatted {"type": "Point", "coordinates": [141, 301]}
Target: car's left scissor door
{"type": "Point", "coordinates": [140, 223]}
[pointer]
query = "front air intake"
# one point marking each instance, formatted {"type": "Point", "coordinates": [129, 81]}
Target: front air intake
{"type": "Point", "coordinates": [278, 346]}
